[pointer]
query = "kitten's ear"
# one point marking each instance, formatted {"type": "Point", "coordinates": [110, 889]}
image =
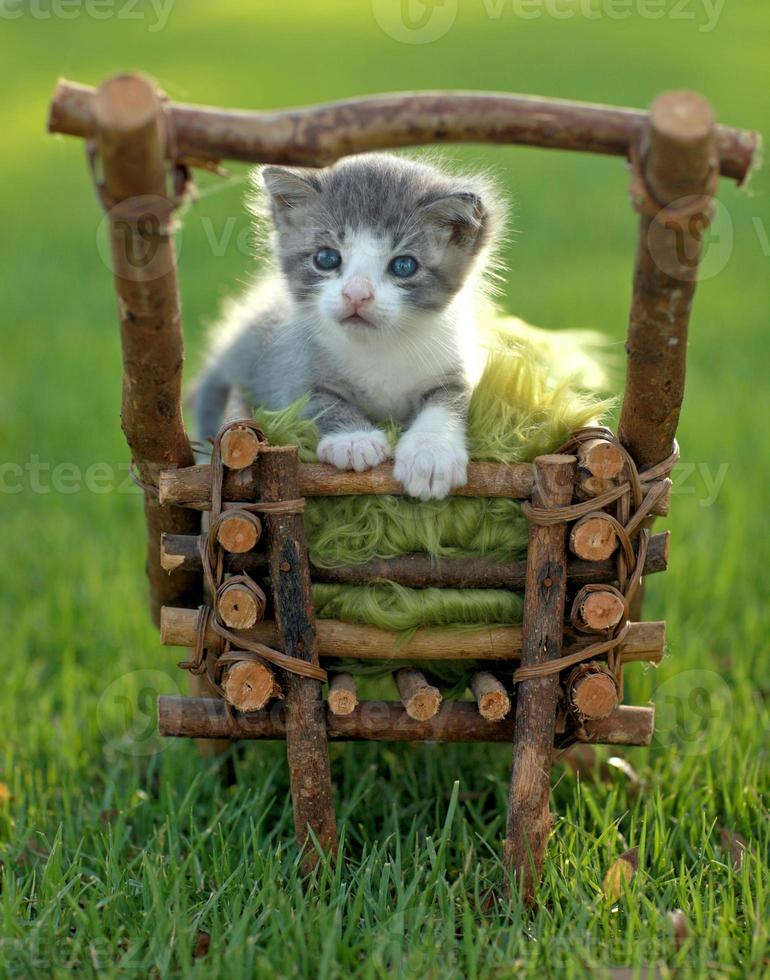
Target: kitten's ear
{"type": "Point", "coordinates": [289, 188]}
{"type": "Point", "coordinates": [463, 215]}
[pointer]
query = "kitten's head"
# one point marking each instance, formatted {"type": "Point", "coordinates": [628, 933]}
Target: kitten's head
{"type": "Point", "coordinates": [376, 242]}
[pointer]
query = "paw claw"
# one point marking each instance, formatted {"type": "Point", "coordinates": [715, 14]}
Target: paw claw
{"type": "Point", "coordinates": [359, 451]}
{"type": "Point", "coordinates": [430, 466]}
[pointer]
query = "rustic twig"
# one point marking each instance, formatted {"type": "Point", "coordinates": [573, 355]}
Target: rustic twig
{"type": "Point", "coordinates": [306, 748]}
{"type": "Point", "coordinates": [238, 531]}
{"type": "Point", "coordinates": [127, 125]}
{"type": "Point", "coordinates": [598, 609]}
{"type": "Point", "coordinates": [240, 605]}
{"type": "Point", "coordinates": [250, 684]}
{"type": "Point", "coordinates": [419, 570]}
{"type": "Point", "coordinates": [673, 193]}
{"type": "Point", "coordinates": [602, 458]}
{"type": "Point", "coordinates": [386, 721]}
{"type": "Point", "coordinates": [343, 694]}
{"type": "Point", "coordinates": [529, 819]}
{"type": "Point", "coordinates": [644, 642]}
{"type": "Point", "coordinates": [421, 700]}
{"type": "Point", "coordinates": [591, 691]}
{"type": "Point", "coordinates": [192, 487]}
{"type": "Point", "coordinates": [491, 696]}
{"type": "Point", "coordinates": [593, 538]}
{"type": "Point", "coordinates": [239, 445]}
{"type": "Point", "coordinates": [319, 135]}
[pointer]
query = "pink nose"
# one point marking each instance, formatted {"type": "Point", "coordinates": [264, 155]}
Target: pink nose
{"type": "Point", "coordinates": [358, 291]}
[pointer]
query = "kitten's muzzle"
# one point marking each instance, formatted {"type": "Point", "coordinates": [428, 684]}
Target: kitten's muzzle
{"type": "Point", "coordinates": [357, 292]}
{"type": "Point", "coordinates": [356, 320]}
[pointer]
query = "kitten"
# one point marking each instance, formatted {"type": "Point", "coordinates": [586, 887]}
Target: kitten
{"type": "Point", "coordinates": [371, 311]}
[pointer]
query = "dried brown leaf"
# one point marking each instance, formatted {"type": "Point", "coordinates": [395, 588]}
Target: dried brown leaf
{"type": "Point", "coordinates": [632, 856]}
{"type": "Point", "coordinates": [5, 794]}
{"type": "Point", "coordinates": [734, 845]}
{"type": "Point", "coordinates": [681, 927]}
{"type": "Point", "coordinates": [622, 869]}
{"type": "Point", "coordinates": [202, 943]}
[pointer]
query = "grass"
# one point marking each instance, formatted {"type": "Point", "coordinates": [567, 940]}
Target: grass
{"type": "Point", "coordinates": [117, 851]}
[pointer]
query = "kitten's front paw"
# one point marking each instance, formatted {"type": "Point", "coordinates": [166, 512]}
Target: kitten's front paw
{"type": "Point", "coordinates": [354, 450]}
{"type": "Point", "coordinates": [429, 466]}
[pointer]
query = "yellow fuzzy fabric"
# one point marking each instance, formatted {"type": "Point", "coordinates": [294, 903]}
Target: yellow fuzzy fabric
{"type": "Point", "coordinates": [536, 388]}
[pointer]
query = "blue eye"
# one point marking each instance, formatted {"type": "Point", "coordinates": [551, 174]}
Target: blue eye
{"type": "Point", "coordinates": [327, 259]}
{"type": "Point", "coordinates": [403, 266]}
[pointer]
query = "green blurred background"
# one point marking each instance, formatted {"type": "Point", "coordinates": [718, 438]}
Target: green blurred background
{"type": "Point", "coordinates": [72, 591]}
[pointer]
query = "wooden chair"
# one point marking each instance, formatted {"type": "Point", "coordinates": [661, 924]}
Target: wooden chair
{"type": "Point", "coordinates": [595, 500]}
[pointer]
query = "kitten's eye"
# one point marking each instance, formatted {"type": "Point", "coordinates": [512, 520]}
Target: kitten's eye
{"type": "Point", "coordinates": [403, 266]}
{"type": "Point", "coordinates": [327, 259]}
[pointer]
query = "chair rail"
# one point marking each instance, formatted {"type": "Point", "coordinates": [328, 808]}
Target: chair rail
{"type": "Point", "coordinates": [319, 135]}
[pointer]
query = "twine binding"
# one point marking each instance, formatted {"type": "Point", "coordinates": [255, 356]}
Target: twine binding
{"type": "Point", "coordinates": [231, 646]}
{"type": "Point", "coordinates": [634, 499]}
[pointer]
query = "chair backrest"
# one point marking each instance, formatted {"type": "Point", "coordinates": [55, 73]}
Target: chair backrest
{"type": "Point", "coordinates": [676, 154]}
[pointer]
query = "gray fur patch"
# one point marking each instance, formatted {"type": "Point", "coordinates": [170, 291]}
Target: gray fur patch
{"type": "Point", "coordinates": [267, 343]}
{"type": "Point", "coordinates": [419, 209]}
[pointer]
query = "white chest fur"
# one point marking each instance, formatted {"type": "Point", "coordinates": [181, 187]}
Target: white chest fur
{"type": "Point", "coordinates": [390, 370]}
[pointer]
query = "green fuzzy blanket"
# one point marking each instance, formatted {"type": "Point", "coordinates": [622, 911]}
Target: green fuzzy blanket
{"type": "Point", "coordinates": [537, 387]}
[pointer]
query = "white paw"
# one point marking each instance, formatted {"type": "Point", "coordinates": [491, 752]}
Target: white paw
{"type": "Point", "coordinates": [354, 450]}
{"type": "Point", "coordinates": [429, 465]}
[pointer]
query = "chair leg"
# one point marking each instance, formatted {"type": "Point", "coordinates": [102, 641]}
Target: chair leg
{"type": "Point", "coordinates": [307, 749]}
{"type": "Point", "coordinates": [529, 818]}
{"type": "Point", "coordinates": [129, 122]}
